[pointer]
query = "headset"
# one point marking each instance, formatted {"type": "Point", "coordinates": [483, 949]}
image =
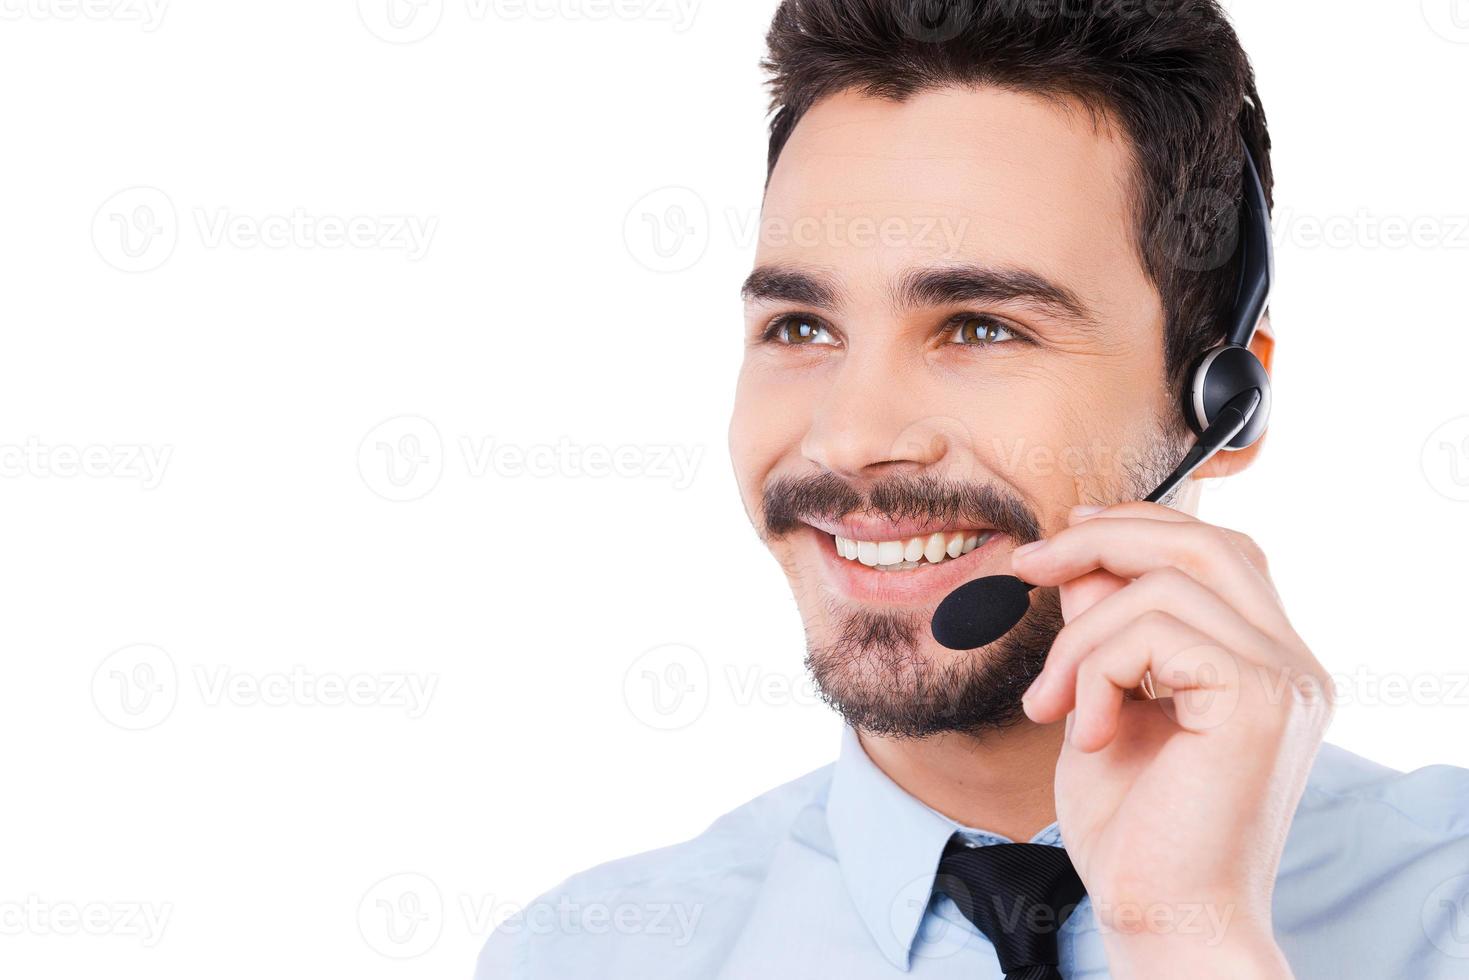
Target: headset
{"type": "Point", "coordinates": [1231, 368]}
{"type": "Point", "coordinates": [1227, 400]}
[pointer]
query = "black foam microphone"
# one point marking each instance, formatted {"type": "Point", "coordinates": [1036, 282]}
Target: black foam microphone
{"type": "Point", "coordinates": [983, 610]}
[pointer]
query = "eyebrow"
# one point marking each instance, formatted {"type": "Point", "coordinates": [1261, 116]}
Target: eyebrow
{"type": "Point", "coordinates": [782, 284]}
{"type": "Point", "coordinates": [919, 288]}
{"type": "Point", "coordinates": [968, 283]}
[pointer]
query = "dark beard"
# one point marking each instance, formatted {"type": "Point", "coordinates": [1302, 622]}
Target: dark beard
{"type": "Point", "coordinates": [876, 677]}
{"type": "Point", "coordinates": [874, 673]}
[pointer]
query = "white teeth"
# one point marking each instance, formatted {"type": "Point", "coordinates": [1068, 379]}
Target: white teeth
{"type": "Point", "coordinates": [933, 550]}
{"type": "Point", "coordinates": [911, 552]}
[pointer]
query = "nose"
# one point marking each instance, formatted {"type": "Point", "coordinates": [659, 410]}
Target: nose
{"type": "Point", "coordinates": [871, 423]}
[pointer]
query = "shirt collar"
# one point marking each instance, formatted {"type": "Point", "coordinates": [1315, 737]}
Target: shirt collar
{"type": "Point", "coordinates": [888, 844]}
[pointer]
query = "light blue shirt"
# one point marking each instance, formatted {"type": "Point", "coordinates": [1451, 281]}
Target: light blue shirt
{"type": "Point", "coordinates": [831, 875]}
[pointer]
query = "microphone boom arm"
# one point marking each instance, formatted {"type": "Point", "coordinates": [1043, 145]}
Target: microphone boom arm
{"type": "Point", "coordinates": [1231, 419]}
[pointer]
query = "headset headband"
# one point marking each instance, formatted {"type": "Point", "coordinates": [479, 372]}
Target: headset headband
{"type": "Point", "coordinates": [1257, 258]}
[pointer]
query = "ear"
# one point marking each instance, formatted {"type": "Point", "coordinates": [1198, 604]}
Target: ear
{"type": "Point", "coordinates": [1229, 463]}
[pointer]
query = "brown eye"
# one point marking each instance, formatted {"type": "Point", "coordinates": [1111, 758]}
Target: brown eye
{"type": "Point", "coordinates": [982, 331]}
{"type": "Point", "coordinates": [801, 330]}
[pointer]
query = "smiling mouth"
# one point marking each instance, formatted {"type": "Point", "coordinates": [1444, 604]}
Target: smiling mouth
{"type": "Point", "coordinates": [910, 553]}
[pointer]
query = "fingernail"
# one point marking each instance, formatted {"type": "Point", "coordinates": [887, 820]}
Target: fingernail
{"type": "Point", "coordinates": [1086, 511]}
{"type": "Point", "coordinates": [1027, 549]}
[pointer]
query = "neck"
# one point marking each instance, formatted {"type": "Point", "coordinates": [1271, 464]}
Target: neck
{"type": "Point", "coordinates": [1003, 782]}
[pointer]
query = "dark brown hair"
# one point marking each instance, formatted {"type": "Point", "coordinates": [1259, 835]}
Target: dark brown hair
{"type": "Point", "coordinates": [1170, 72]}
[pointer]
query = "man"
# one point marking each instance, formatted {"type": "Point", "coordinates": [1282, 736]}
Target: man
{"type": "Point", "coordinates": [975, 368]}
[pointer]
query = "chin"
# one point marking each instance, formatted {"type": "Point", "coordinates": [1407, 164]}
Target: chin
{"type": "Point", "coordinates": [880, 669]}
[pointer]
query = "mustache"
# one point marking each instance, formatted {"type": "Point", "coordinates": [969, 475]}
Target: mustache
{"type": "Point", "coordinates": [788, 503]}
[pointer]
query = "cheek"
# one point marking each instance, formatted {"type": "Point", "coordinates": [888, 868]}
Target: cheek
{"type": "Point", "coordinates": [1061, 440]}
{"type": "Point", "coordinates": [767, 425]}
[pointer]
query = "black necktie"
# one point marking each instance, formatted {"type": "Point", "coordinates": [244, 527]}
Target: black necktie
{"type": "Point", "coordinates": [1016, 894]}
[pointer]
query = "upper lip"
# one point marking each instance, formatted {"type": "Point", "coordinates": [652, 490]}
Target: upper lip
{"type": "Point", "coordinates": [858, 528]}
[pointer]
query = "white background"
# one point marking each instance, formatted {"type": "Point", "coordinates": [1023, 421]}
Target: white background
{"type": "Point", "coordinates": [179, 633]}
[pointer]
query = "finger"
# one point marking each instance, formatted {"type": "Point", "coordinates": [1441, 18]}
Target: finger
{"type": "Point", "coordinates": [1164, 591]}
{"type": "Point", "coordinates": [1061, 687]}
{"type": "Point", "coordinates": [1133, 508]}
{"type": "Point", "coordinates": [1132, 547]}
{"type": "Point", "coordinates": [1105, 677]}
{"type": "Point", "coordinates": [1204, 676]}
{"type": "Point", "coordinates": [1244, 544]}
{"type": "Point", "coordinates": [1080, 594]}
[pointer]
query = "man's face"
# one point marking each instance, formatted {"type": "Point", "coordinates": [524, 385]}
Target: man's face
{"type": "Point", "coordinates": [950, 340]}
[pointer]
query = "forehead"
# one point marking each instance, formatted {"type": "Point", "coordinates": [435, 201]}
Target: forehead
{"type": "Point", "coordinates": [866, 187]}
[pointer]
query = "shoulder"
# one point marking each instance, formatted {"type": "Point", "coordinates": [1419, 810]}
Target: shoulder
{"type": "Point", "coordinates": [1347, 789]}
{"type": "Point", "coordinates": [649, 903]}
{"type": "Point", "coordinates": [1376, 862]}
